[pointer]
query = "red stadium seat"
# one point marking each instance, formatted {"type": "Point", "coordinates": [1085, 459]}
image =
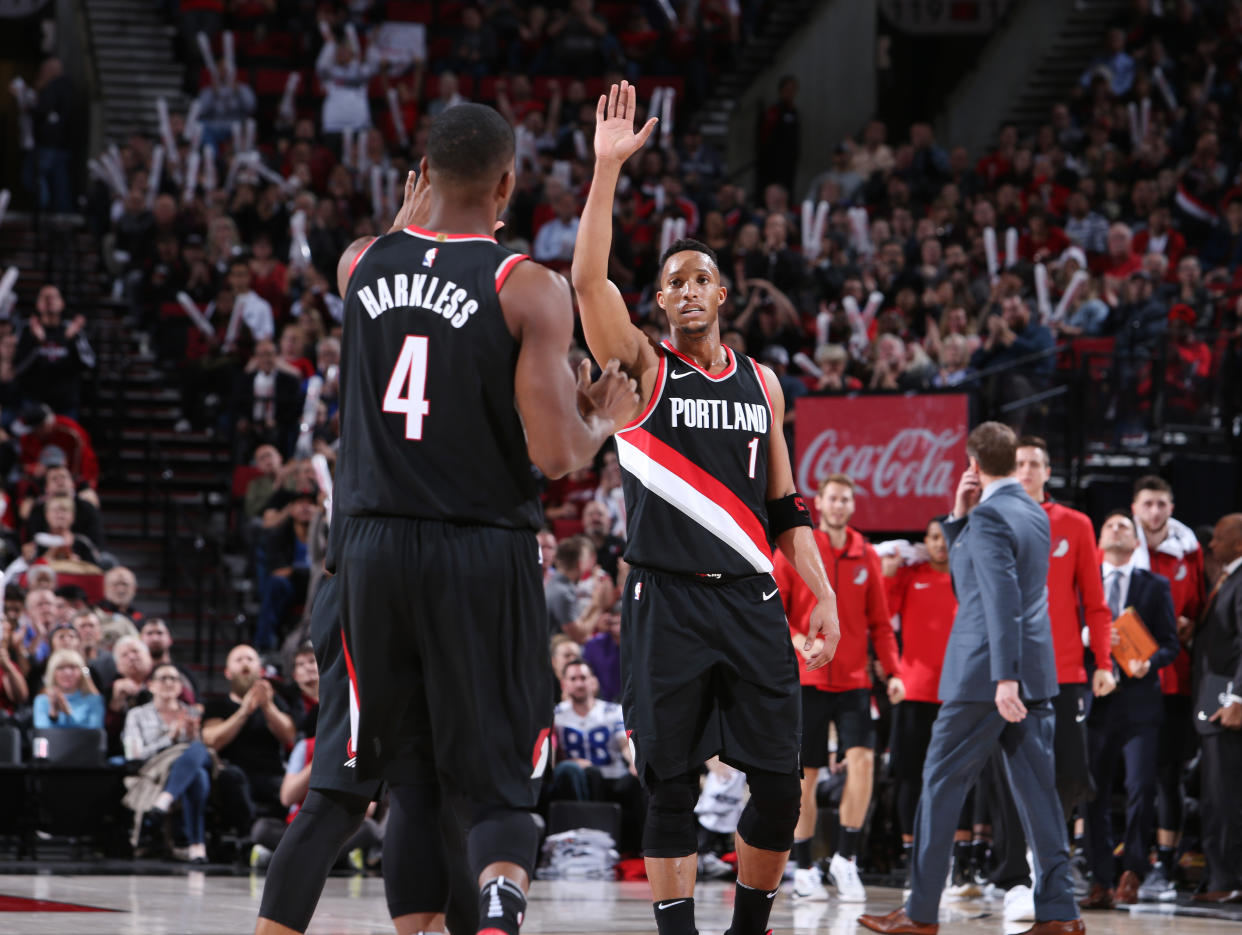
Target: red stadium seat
{"type": "Point", "coordinates": [448, 13]}
{"type": "Point", "coordinates": [408, 11]}
{"type": "Point", "coordinates": [243, 474]}
{"type": "Point", "coordinates": [270, 82]}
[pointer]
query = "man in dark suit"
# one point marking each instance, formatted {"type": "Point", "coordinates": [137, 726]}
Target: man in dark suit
{"type": "Point", "coordinates": [999, 674]}
{"type": "Point", "coordinates": [1126, 724]}
{"type": "Point", "coordinates": [1218, 652]}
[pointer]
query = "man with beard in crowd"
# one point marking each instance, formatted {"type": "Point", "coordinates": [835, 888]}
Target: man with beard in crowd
{"type": "Point", "coordinates": [250, 730]}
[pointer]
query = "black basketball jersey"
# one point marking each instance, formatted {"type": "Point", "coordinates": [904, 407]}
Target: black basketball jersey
{"type": "Point", "coordinates": [429, 425]}
{"type": "Point", "coordinates": [695, 470]}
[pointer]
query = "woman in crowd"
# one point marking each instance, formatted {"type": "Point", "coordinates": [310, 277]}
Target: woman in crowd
{"type": "Point", "coordinates": [163, 723]}
{"type": "Point", "coordinates": [69, 697]}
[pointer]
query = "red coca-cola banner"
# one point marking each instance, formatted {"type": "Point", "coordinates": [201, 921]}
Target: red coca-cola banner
{"type": "Point", "coordinates": [904, 453]}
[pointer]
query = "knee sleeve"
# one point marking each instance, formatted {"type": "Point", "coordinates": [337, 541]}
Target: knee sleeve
{"type": "Point", "coordinates": [670, 829]}
{"type": "Point", "coordinates": [415, 872]}
{"type": "Point", "coordinates": [306, 854]}
{"type": "Point", "coordinates": [769, 818]}
{"type": "Point", "coordinates": [502, 835]}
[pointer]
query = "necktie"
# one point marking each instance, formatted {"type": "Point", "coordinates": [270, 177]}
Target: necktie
{"type": "Point", "coordinates": [1114, 594]}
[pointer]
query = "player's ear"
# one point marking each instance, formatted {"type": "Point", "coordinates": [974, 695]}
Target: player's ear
{"type": "Point", "coordinates": [660, 299]}
{"type": "Point", "coordinates": [504, 188]}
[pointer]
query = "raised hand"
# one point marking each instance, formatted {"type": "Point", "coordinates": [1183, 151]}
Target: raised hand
{"type": "Point", "coordinates": [615, 138]}
{"type": "Point", "coordinates": [415, 205]}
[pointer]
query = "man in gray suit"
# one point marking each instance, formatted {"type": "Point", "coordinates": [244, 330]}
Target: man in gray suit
{"type": "Point", "coordinates": [999, 674]}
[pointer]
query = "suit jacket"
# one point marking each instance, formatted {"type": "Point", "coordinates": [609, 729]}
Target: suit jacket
{"type": "Point", "coordinates": [288, 399]}
{"type": "Point", "coordinates": [998, 556]}
{"type": "Point", "coordinates": [1141, 700]}
{"type": "Point", "coordinates": [1218, 640]}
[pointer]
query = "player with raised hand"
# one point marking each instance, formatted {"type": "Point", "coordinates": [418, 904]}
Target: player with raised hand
{"type": "Point", "coordinates": [707, 665]}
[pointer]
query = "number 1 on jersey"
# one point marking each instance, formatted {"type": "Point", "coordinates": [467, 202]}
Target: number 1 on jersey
{"type": "Point", "coordinates": [753, 445]}
{"type": "Point", "coordinates": [410, 376]}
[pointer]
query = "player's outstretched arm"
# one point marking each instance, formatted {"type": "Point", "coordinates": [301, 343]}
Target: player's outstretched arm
{"type": "Point", "coordinates": [798, 544]}
{"type": "Point", "coordinates": [566, 421]}
{"type": "Point", "coordinates": [605, 319]}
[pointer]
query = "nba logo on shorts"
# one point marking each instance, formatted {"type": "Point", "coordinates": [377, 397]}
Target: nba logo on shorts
{"type": "Point", "coordinates": [429, 258]}
{"type": "Point", "coordinates": [638, 590]}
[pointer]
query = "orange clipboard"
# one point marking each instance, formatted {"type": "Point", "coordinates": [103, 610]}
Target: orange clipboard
{"type": "Point", "coordinates": [1136, 641]}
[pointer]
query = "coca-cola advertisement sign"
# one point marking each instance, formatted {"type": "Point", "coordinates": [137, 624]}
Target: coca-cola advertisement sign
{"type": "Point", "coordinates": [904, 453]}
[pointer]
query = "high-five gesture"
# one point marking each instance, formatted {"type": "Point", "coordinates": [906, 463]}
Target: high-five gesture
{"type": "Point", "coordinates": [615, 138]}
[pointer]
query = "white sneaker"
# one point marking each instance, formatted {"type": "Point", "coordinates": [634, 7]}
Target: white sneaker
{"type": "Point", "coordinates": [963, 891]}
{"type": "Point", "coordinates": [844, 874]}
{"type": "Point", "coordinates": [1020, 904]}
{"type": "Point", "coordinates": [809, 885]}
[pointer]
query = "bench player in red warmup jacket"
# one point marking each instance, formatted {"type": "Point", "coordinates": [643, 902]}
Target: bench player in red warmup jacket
{"type": "Point", "coordinates": [840, 693]}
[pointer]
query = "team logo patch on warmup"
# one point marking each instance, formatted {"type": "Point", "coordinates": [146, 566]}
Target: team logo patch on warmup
{"type": "Point", "coordinates": [1062, 549]}
{"type": "Point", "coordinates": [1181, 572]}
{"type": "Point", "coordinates": [638, 590]}
{"type": "Point", "coordinates": [861, 577]}
{"type": "Point", "coordinates": [429, 258]}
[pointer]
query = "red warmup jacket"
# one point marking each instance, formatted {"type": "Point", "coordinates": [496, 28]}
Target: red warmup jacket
{"type": "Point", "coordinates": [855, 574]}
{"type": "Point", "coordinates": [1185, 576]}
{"type": "Point", "coordinates": [924, 598]}
{"type": "Point", "coordinates": [1074, 582]}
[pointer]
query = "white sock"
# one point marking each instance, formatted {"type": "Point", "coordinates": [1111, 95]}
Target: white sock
{"type": "Point", "coordinates": [164, 801]}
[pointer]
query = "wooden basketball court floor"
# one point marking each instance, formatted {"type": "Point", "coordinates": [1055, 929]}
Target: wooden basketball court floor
{"type": "Point", "coordinates": [195, 903]}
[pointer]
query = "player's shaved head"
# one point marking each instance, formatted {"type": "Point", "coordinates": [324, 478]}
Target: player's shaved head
{"type": "Point", "coordinates": [689, 245]}
{"type": "Point", "coordinates": [470, 145]}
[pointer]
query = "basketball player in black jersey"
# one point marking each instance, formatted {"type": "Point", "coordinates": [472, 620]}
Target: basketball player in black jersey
{"type": "Point", "coordinates": [453, 382]}
{"type": "Point", "coordinates": [707, 665]}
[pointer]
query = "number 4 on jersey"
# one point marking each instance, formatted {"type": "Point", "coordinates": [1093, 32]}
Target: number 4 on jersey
{"type": "Point", "coordinates": [409, 376]}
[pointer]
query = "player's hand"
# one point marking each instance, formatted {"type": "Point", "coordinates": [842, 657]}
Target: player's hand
{"type": "Point", "coordinates": [1185, 629]}
{"type": "Point", "coordinates": [614, 396]}
{"type": "Point", "coordinates": [416, 205]}
{"type": "Point", "coordinates": [969, 489]}
{"type": "Point", "coordinates": [1008, 703]}
{"type": "Point", "coordinates": [1229, 717]}
{"type": "Point", "coordinates": [1103, 683]}
{"type": "Point", "coordinates": [615, 139]}
{"type": "Point", "coordinates": [1139, 668]}
{"type": "Point", "coordinates": [896, 690]}
{"type": "Point", "coordinates": [822, 635]}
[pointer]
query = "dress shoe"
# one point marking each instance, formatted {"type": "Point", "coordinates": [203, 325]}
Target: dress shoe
{"type": "Point", "coordinates": [1126, 893]}
{"type": "Point", "coordinates": [1073, 927]}
{"type": "Point", "coordinates": [897, 923]}
{"type": "Point", "coordinates": [1100, 897]}
{"type": "Point", "coordinates": [1220, 897]}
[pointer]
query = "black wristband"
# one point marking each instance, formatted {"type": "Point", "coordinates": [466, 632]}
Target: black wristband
{"type": "Point", "coordinates": [786, 513]}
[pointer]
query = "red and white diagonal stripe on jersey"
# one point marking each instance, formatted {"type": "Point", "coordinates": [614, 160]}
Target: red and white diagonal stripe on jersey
{"type": "Point", "coordinates": [684, 485]}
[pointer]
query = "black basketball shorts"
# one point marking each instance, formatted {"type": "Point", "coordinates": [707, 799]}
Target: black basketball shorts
{"type": "Point", "coordinates": [708, 669]}
{"type": "Point", "coordinates": [332, 766]}
{"type": "Point", "coordinates": [849, 710]}
{"type": "Point", "coordinates": [445, 659]}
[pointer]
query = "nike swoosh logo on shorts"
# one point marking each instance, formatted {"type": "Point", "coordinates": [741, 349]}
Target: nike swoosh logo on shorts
{"type": "Point", "coordinates": [1079, 718]}
{"type": "Point", "coordinates": [768, 597]}
{"type": "Point", "coordinates": [678, 374]}
{"type": "Point", "coordinates": [675, 902]}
